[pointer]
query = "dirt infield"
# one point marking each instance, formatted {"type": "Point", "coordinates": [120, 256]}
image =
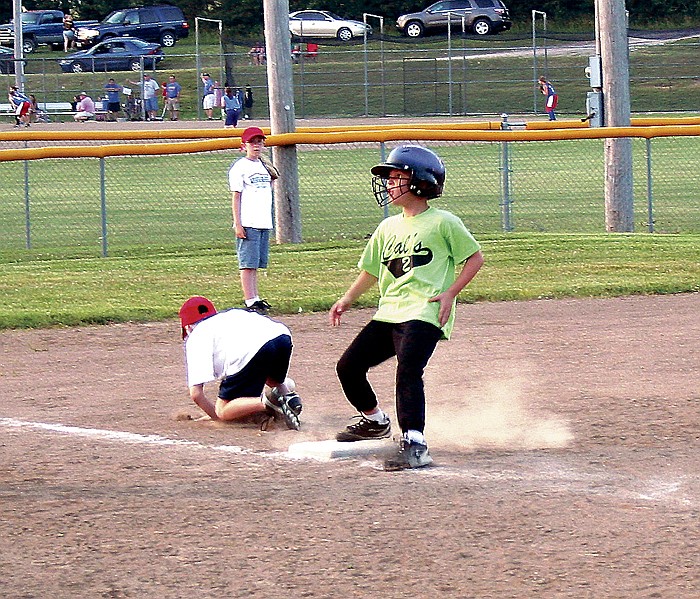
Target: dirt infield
{"type": "Point", "coordinates": [565, 435]}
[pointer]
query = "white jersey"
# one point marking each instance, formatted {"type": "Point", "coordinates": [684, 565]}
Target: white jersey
{"type": "Point", "coordinates": [223, 344]}
{"type": "Point", "coordinates": [251, 179]}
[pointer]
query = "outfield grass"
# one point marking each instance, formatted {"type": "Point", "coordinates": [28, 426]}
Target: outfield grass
{"type": "Point", "coordinates": [182, 201]}
{"type": "Point", "coordinates": [49, 290]}
{"type": "Point", "coordinates": [158, 258]}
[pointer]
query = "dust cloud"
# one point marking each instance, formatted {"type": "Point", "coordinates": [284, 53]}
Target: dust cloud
{"type": "Point", "coordinates": [496, 416]}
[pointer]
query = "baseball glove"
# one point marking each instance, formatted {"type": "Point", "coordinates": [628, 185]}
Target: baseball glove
{"type": "Point", "coordinates": [270, 168]}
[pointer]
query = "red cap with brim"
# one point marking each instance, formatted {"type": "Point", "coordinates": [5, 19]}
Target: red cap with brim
{"type": "Point", "coordinates": [250, 133]}
{"type": "Point", "coordinates": [193, 310]}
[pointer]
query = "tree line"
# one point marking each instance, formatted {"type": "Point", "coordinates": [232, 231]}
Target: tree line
{"type": "Point", "coordinates": [244, 17]}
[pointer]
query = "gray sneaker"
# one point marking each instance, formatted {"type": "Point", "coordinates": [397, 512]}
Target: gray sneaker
{"type": "Point", "coordinates": [410, 455]}
{"type": "Point", "coordinates": [279, 406]}
{"type": "Point", "coordinates": [365, 430]}
{"type": "Point", "coordinates": [293, 399]}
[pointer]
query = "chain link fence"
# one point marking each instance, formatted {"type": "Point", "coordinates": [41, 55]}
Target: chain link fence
{"type": "Point", "coordinates": [122, 204]}
{"type": "Point", "coordinates": [400, 77]}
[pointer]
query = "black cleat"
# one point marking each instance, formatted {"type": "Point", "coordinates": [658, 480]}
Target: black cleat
{"type": "Point", "coordinates": [261, 307]}
{"type": "Point", "coordinates": [365, 430]}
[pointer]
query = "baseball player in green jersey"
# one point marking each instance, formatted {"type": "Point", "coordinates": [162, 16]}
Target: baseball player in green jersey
{"type": "Point", "coordinates": [412, 257]}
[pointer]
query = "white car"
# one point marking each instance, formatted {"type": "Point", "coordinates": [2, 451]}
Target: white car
{"type": "Point", "coordinates": [321, 23]}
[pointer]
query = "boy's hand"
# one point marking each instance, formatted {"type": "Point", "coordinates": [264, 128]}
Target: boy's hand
{"type": "Point", "coordinates": [445, 310]}
{"type": "Point", "coordinates": [336, 310]}
{"type": "Point", "coordinates": [240, 231]}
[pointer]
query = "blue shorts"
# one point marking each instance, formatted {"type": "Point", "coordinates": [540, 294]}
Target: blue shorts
{"type": "Point", "coordinates": [270, 362]}
{"type": "Point", "coordinates": [231, 118]}
{"type": "Point", "coordinates": [253, 251]}
{"type": "Point", "coordinates": [151, 104]}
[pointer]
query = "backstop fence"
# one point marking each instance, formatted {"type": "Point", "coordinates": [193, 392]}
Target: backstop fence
{"type": "Point", "coordinates": [84, 194]}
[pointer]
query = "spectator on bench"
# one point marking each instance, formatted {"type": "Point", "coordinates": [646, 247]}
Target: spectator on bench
{"type": "Point", "coordinates": [85, 108]}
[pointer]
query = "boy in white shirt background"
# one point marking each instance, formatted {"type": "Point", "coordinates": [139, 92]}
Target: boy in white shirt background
{"type": "Point", "coordinates": [250, 183]}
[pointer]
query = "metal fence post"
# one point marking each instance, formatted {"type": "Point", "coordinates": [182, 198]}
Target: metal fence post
{"type": "Point", "coordinates": [535, 75]}
{"type": "Point", "coordinates": [650, 193]}
{"type": "Point", "coordinates": [506, 201]}
{"type": "Point", "coordinates": [103, 207]}
{"type": "Point", "coordinates": [27, 213]}
{"type": "Point", "coordinates": [382, 159]}
{"type": "Point", "coordinates": [381, 59]}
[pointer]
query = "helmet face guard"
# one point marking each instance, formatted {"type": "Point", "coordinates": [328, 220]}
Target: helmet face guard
{"type": "Point", "coordinates": [380, 188]}
{"type": "Point", "coordinates": [425, 170]}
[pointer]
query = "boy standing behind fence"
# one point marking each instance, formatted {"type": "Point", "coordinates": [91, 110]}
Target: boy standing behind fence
{"type": "Point", "coordinates": [21, 104]}
{"type": "Point", "coordinates": [551, 97]}
{"type": "Point", "coordinates": [232, 107]}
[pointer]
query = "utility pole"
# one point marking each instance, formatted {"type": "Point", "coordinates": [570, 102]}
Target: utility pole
{"type": "Point", "coordinates": [611, 37]}
{"type": "Point", "coordinates": [19, 43]}
{"type": "Point", "coordinates": [282, 119]}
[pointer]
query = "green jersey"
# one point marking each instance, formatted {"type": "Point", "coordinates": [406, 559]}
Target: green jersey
{"type": "Point", "coordinates": [414, 259]}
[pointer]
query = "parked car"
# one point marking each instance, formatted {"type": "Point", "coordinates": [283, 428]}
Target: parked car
{"type": "Point", "coordinates": [118, 54]}
{"type": "Point", "coordinates": [38, 27]}
{"type": "Point", "coordinates": [160, 24]}
{"type": "Point", "coordinates": [482, 17]}
{"type": "Point", "coordinates": [321, 23]}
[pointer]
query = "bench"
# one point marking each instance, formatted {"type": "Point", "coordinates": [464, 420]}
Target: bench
{"type": "Point", "coordinates": [48, 109]}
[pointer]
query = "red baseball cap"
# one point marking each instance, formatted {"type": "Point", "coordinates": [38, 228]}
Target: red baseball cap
{"type": "Point", "coordinates": [252, 132]}
{"type": "Point", "coordinates": [193, 310]}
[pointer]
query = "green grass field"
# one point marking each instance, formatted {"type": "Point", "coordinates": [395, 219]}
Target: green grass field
{"type": "Point", "coordinates": [168, 222]}
{"type": "Point", "coordinates": [49, 290]}
{"type": "Point", "coordinates": [182, 201]}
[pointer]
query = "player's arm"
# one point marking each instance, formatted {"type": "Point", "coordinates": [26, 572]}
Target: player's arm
{"type": "Point", "coordinates": [469, 270]}
{"type": "Point", "coordinates": [236, 209]}
{"type": "Point", "coordinates": [364, 282]}
{"type": "Point", "coordinates": [198, 397]}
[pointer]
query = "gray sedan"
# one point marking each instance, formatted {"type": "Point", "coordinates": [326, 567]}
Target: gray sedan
{"type": "Point", "coordinates": [321, 23]}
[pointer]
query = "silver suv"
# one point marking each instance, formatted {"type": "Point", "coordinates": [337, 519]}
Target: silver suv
{"type": "Point", "coordinates": [480, 16]}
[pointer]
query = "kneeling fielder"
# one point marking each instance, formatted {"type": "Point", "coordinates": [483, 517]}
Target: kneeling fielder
{"type": "Point", "coordinates": [246, 351]}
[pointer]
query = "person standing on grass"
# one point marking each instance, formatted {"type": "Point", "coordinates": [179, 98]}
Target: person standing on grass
{"type": "Point", "coordinates": [412, 257]}
{"type": "Point", "coordinates": [250, 183]}
{"type": "Point", "coordinates": [113, 91]}
{"type": "Point", "coordinates": [68, 32]}
{"type": "Point", "coordinates": [208, 98]}
{"type": "Point", "coordinates": [172, 97]}
{"type": "Point", "coordinates": [149, 91]}
{"type": "Point", "coordinates": [231, 106]}
{"type": "Point", "coordinates": [551, 97]}
{"type": "Point", "coordinates": [248, 102]}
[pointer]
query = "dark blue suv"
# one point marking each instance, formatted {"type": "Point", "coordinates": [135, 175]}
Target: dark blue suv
{"type": "Point", "coordinates": [163, 25]}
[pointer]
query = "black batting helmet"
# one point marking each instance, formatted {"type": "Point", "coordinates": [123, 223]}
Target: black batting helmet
{"type": "Point", "coordinates": [426, 172]}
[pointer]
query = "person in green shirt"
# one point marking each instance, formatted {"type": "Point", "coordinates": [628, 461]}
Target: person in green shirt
{"type": "Point", "coordinates": [412, 257]}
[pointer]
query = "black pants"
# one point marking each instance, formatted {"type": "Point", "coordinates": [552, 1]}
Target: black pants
{"type": "Point", "coordinates": [412, 343]}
